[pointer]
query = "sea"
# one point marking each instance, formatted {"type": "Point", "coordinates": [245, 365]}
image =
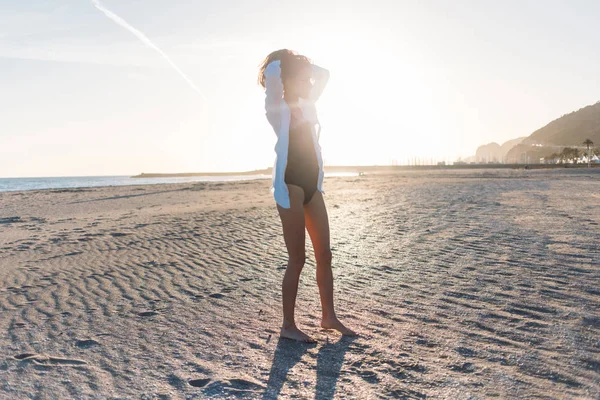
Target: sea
{"type": "Point", "coordinates": [17, 184]}
{"type": "Point", "coordinates": [14, 184]}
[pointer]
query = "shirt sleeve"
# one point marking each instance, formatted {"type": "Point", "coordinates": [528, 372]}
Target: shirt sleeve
{"type": "Point", "coordinates": [321, 77]}
{"type": "Point", "coordinates": [274, 94]}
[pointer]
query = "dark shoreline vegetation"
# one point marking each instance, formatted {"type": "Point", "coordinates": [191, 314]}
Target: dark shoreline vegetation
{"type": "Point", "coordinates": [376, 168]}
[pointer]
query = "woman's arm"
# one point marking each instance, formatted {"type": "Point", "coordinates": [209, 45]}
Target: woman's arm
{"type": "Point", "coordinates": [274, 94]}
{"type": "Point", "coordinates": [321, 77]}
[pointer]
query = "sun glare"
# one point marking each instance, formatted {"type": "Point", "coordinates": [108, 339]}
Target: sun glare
{"type": "Point", "coordinates": [374, 108]}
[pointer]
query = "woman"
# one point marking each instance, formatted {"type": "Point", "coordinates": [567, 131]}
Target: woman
{"type": "Point", "coordinates": [298, 178]}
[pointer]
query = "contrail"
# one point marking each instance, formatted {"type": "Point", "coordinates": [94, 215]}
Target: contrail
{"type": "Point", "coordinates": [147, 42]}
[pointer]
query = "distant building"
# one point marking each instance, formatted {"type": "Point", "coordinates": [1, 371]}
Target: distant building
{"type": "Point", "coordinates": [546, 160]}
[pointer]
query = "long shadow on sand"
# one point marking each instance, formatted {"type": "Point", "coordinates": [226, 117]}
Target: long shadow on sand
{"type": "Point", "coordinates": [329, 364]}
{"type": "Point", "coordinates": [287, 354]}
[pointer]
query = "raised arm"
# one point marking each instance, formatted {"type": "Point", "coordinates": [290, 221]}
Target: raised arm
{"type": "Point", "coordinates": [274, 94]}
{"type": "Point", "coordinates": [321, 77]}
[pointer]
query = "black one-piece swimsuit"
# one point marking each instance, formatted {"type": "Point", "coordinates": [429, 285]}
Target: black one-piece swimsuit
{"type": "Point", "coordinates": [302, 165]}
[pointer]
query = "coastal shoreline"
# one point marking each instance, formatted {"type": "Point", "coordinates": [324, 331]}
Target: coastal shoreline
{"type": "Point", "coordinates": [377, 169]}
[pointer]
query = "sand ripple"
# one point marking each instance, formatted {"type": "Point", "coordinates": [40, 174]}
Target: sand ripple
{"type": "Point", "coordinates": [462, 285]}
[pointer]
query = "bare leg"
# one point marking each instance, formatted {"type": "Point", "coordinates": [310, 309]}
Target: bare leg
{"type": "Point", "coordinates": [317, 224]}
{"type": "Point", "coordinates": [292, 220]}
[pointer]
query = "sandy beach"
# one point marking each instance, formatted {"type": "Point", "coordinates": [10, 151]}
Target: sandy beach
{"type": "Point", "coordinates": [473, 284]}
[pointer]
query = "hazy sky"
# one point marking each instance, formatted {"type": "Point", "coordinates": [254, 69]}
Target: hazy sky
{"type": "Point", "coordinates": [81, 95]}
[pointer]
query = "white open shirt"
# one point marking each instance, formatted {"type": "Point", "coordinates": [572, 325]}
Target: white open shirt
{"type": "Point", "coordinates": [279, 116]}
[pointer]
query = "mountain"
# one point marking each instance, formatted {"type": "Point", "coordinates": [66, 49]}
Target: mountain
{"type": "Point", "coordinates": [570, 129]}
{"type": "Point", "coordinates": [528, 154]}
{"type": "Point", "coordinates": [506, 146]}
{"type": "Point", "coordinates": [488, 153]}
{"type": "Point", "coordinates": [493, 152]}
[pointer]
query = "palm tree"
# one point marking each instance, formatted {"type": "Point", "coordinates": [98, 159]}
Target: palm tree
{"type": "Point", "coordinates": [569, 153]}
{"type": "Point", "coordinates": [575, 155]}
{"type": "Point", "coordinates": [562, 156]}
{"type": "Point", "coordinates": [588, 142]}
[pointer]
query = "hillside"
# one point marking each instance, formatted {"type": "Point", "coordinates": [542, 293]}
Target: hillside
{"type": "Point", "coordinates": [570, 129]}
{"type": "Point", "coordinates": [493, 152]}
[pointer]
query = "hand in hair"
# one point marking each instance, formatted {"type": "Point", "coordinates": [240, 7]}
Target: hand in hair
{"type": "Point", "coordinates": [274, 56]}
{"type": "Point", "coordinates": [290, 61]}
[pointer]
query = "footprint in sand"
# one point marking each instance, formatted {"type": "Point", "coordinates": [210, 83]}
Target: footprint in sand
{"type": "Point", "coordinates": [591, 321]}
{"type": "Point", "coordinates": [199, 382]}
{"type": "Point", "coordinates": [117, 234]}
{"type": "Point", "coordinates": [369, 376]}
{"type": "Point", "coordinates": [465, 368]}
{"type": "Point", "coordinates": [24, 356]}
{"type": "Point", "coordinates": [404, 393]}
{"type": "Point", "coordinates": [86, 343]}
{"type": "Point", "coordinates": [231, 386]}
{"type": "Point", "coordinates": [425, 342]}
{"type": "Point", "coordinates": [43, 359]}
{"type": "Point", "coordinates": [147, 313]}
{"type": "Point", "coordinates": [465, 351]}
{"type": "Point", "coordinates": [10, 220]}
{"type": "Point", "coordinates": [242, 384]}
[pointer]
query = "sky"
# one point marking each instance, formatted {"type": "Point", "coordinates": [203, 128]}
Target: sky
{"type": "Point", "coordinates": [81, 95]}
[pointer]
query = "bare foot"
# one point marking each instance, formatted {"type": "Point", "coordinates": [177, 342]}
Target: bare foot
{"type": "Point", "coordinates": [338, 326]}
{"type": "Point", "coordinates": [294, 333]}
